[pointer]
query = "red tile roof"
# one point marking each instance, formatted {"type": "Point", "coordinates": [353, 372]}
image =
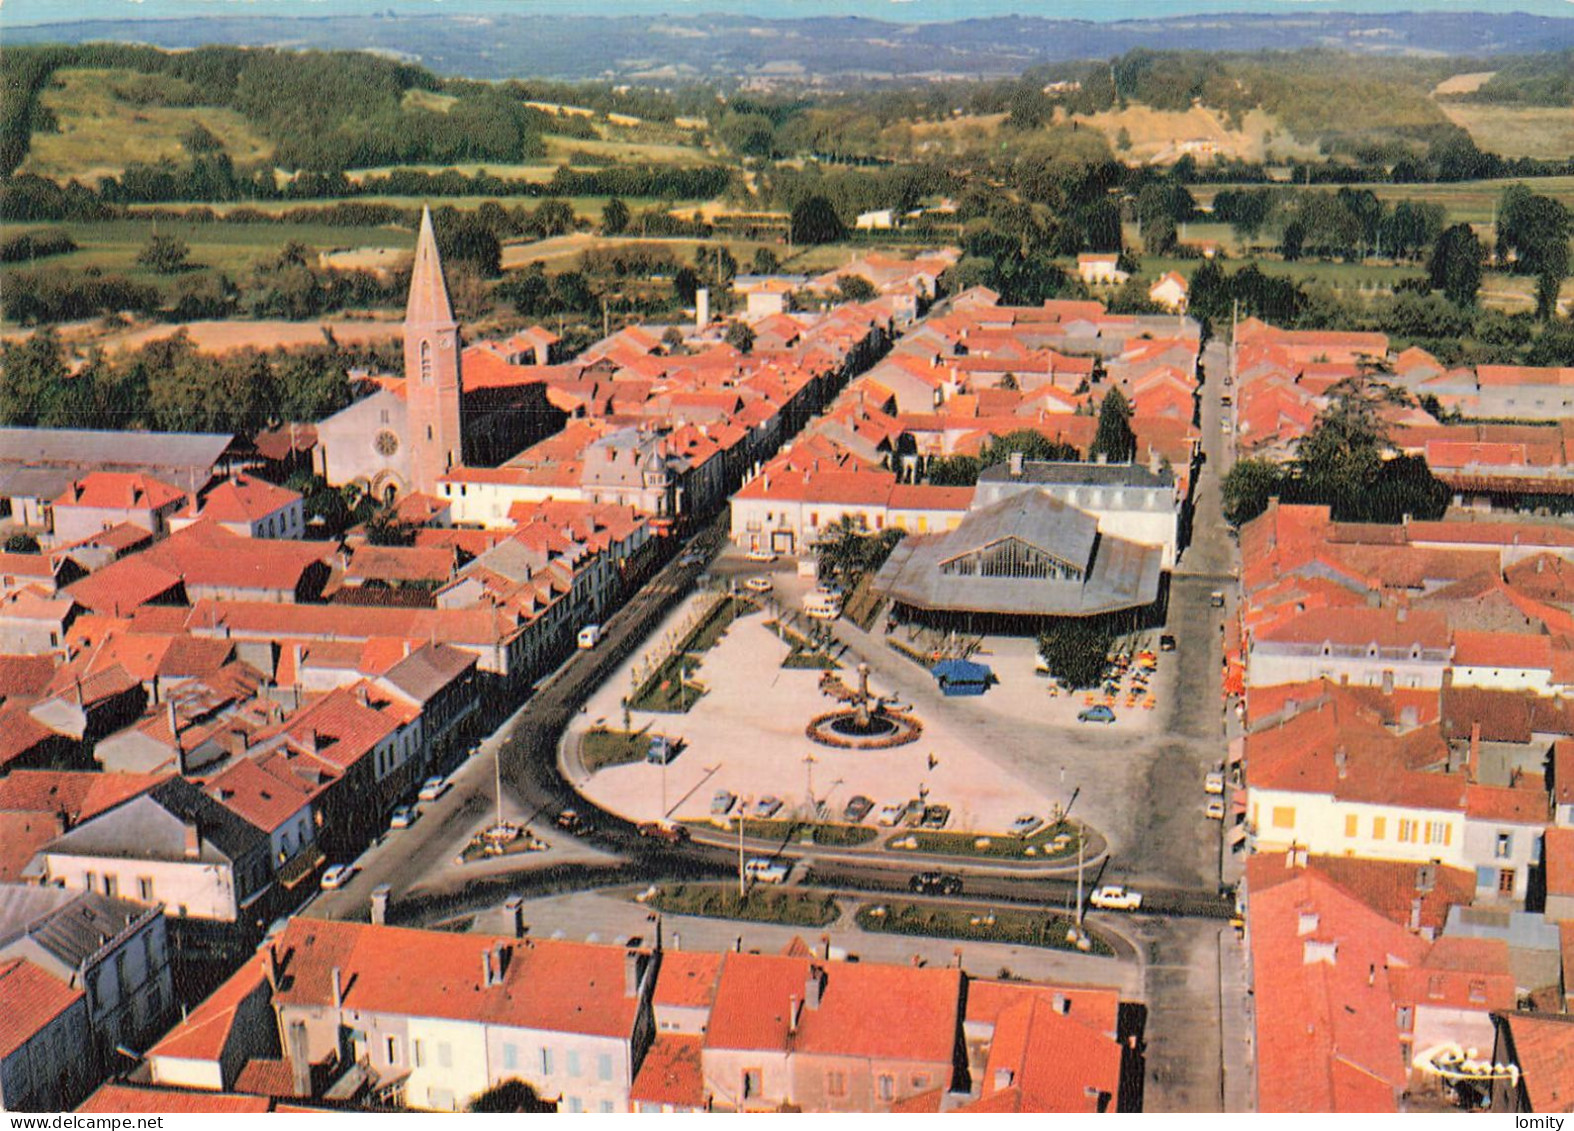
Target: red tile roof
{"type": "Point", "coordinates": [687, 979]}
{"type": "Point", "coordinates": [263, 800]}
{"type": "Point", "coordinates": [755, 998]}
{"type": "Point", "coordinates": [1558, 852]}
{"type": "Point", "coordinates": [557, 986]}
{"type": "Point", "coordinates": [671, 1072]}
{"type": "Point", "coordinates": [1544, 1046]}
{"type": "Point", "coordinates": [1389, 887]}
{"type": "Point", "coordinates": [205, 1031]}
{"type": "Point", "coordinates": [78, 794]}
{"type": "Point", "coordinates": [117, 490]}
{"type": "Point", "coordinates": [1320, 1013]}
{"type": "Point", "coordinates": [246, 499]}
{"type": "Point", "coordinates": [1054, 1063]}
{"type": "Point", "coordinates": [130, 1099]}
{"type": "Point", "coordinates": [33, 998]}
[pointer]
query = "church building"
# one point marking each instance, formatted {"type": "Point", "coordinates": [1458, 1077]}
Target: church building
{"type": "Point", "coordinates": [409, 433]}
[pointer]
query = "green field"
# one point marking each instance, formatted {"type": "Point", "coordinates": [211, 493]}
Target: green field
{"type": "Point", "coordinates": [1468, 202]}
{"type": "Point", "coordinates": [112, 245]}
{"type": "Point", "coordinates": [107, 119]}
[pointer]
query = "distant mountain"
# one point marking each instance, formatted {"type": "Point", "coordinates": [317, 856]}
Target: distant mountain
{"type": "Point", "coordinates": [831, 50]}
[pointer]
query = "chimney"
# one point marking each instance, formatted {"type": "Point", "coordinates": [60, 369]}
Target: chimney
{"type": "Point", "coordinates": [193, 840]}
{"type": "Point", "coordinates": [1342, 762]}
{"type": "Point", "coordinates": [1540, 564]}
{"type": "Point", "coordinates": [1473, 766]}
{"type": "Point", "coordinates": [1061, 1004]}
{"type": "Point", "coordinates": [631, 973]}
{"type": "Point", "coordinates": [1409, 718]}
{"type": "Point", "coordinates": [825, 947]}
{"type": "Point", "coordinates": [1016, 465]}
{"type": "Point", "coordinates": [297, 1050]}
{"type": "Point", "coordinates": [488, 977]}
{"type": "Point", "coordinates": [794, 1008]}
{"type": "Point", "coordinates": [1003, 1078]}
{"type": "Point", "coordinates": [1426, 878]}
{"type": "Point", "coordinates": [1400, 613]}
{"type": "Point", "coordinates": [814, 987]}
{"type": "Point", "coordinates": [379, 908]}
{"type": "Point", "coordinates": [519, 921]}
{"type": "Point", "coordinates": [336, 977]}
{"type": "Point", "coordinates": [270, 966]}
{"type": "Point", "coordinates": [701, 309]}
{"type": "Point", "coordinates": [1415, 914]}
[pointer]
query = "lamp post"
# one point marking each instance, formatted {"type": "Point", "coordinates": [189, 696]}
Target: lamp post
{"type": "Point", "coordinates": [808, 764]}
{"type": "Point", "coordinates": [743, 809]}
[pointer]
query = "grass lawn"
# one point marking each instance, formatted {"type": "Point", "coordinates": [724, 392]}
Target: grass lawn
{"type": "Point", "coordinates": [1000, 846]}
{"type": "Point", "coordinates": [804, 653]}
{"type": "Point", "coordinates": [108, 118]}
{"type": "Point", "coordinates": [602, 747]}
{"type": "Point", "coordinates": [762, 904]}
{"type": "Point", "coordinates": [977, 924]}
{"type": "Point", "coordinates": [1516, 131]}
{"type": "Point", "coordinates": [783, 832]}
{"type": "Point", "coordinates": [669, 689]}
{"type": "Point", "coordinates": [601, 150]}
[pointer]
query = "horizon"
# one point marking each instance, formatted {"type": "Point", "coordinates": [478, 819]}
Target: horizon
{"type": "Point", "coordinates": [35, 13]}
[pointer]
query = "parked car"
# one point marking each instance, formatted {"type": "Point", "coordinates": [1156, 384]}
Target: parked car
{"type": "Point", "coordinates": [590, 636]}
{"type": "Point", "coordinates": [891, 814]}
{"type": "Point", "coordinates": [661, 750]}
{"type": "Point", "coordinates": [570, 821]}
{"type": "Point", "coordinates": [1025, 824]}
{"type": "Point", "coordinates": [857, 809]}
{"type": "Point", "coordinates": [1213, 782]}
{"type": "Point", "coordinates": [1113, 897]}
{"type": "Point", "coordinates": [721, 802]}
{"type": "Point", "coordinates": [1216, 599]}
{"type": "Point", "coordinates": [767, 807]}
{"type": "Point", "coordinates": [338, 875]}
{"type": "Point", "coordinates": [404, 817]}
{"type": "Point", "coordinates": [661, 830]}
{"type": "Point", "coordinates": [768, 871]}
{"type": "Point", "coordinates": [758, 584]}
{"type": "Point", "coordinates": [935, 816]}
{"type": "Point", "coordinates": [1216, 809]}
{"type": "Point", "coordinates": [1228, 381]}
{"type": "Point", "coordinates": [693, 557]}
{"type": "Point", "coordinates": [1166, 643]}
{"type": "Point", "coordinates": [935, 883]}
{"type": "Point", "coordinates": [759, 556]}
{"type": "Point", "coordinates": [1098, 713]}
{"type": "Point", "coordinates": [913, 813]}
{"type": "Point", "coordinates": [432, 789]}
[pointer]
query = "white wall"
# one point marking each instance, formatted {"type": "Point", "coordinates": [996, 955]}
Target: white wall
{"type": "Point", "coordinates": [204, 890]}
{"type": "Point", "coordinates": [1320, 827]}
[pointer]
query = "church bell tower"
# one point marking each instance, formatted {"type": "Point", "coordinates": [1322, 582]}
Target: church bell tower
{"type": "Point", "coordinates": [432, 380]}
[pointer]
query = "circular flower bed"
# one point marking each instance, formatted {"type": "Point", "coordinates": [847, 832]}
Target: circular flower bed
{"type": "Point", "coordinates": [904, 729]}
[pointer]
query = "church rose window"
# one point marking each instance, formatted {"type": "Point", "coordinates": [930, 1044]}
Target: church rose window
{"type": "Point", "coordinates": [386, 443]}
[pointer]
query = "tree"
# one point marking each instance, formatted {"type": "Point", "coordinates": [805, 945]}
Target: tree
{"type": "Point", "coordinates": [952, 471]}
{"type": "Point", "coordinates": [1030, 445]}
{"type": "Point", "coordinates": [848, 551]}
{"type": "Point", "coordinates": [1548, 284]}
{"type": "Point", "coordinates": [1340, 455]}
{"type": "Point", "coordinates": [764, 262]}
{"type": "Point", "coordinates": [854, 288]}
{"type": "Point", "coordinates": [385, 528]}
{"type": "Point", "coordinates": [1455, 266]}
{"type": "Point", "coordinates": [814, 220]}
{"type": "Point", "coordinates": [1534, 231]}
{"type": "Point", "coordinates": [512, 1096]}
{"type": "Point", "coordinates": [1248, 487]}
{"type": "Point", "coordinates": [164, 254]}
{"type": "Point", "coordinates": [740, 336]}
{"type": "Point", "coordinates": [1114, 439]}
{"type": "Point", "coordinates": [553, 217]}
{"type": "Point", "coordinates": [20, 543]}
{"type": "Point", "coordinates": [614, 217]}
{"type": "Point", "coordinates": [1076, 651]}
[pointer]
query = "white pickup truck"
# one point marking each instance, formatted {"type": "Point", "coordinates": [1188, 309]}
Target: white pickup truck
{"type": "Point", "coordinates": [1113, 897]}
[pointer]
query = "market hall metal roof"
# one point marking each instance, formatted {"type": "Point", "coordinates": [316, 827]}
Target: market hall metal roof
{"type": "Point", "coordinates": [1117, 573]}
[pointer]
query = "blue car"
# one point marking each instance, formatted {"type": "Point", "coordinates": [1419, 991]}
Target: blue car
{"type": "Point", "coordinates": [1098, 714]}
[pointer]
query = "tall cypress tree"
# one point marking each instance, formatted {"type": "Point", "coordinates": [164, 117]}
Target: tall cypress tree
{"type": "Point", "coordinates": [1114, 439]}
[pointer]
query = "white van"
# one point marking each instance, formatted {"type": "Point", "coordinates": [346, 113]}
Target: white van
{"type": "Point", "coordinates": [822, 604]}
{"type": "Point", "coordinates": [766, 871]}
{"type": "Point", "coordinates": [590, 636]}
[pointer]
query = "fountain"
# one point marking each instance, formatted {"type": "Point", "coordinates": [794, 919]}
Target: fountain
{"type": "Point", "coordinates": [866, 723]}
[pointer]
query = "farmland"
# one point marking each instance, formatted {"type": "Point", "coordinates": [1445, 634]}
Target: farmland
{"type": "Point", "coordinates": [106, 119]}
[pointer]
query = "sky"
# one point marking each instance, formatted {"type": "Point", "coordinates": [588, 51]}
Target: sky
{"type": "Point", "coordinates": [17, 12]}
